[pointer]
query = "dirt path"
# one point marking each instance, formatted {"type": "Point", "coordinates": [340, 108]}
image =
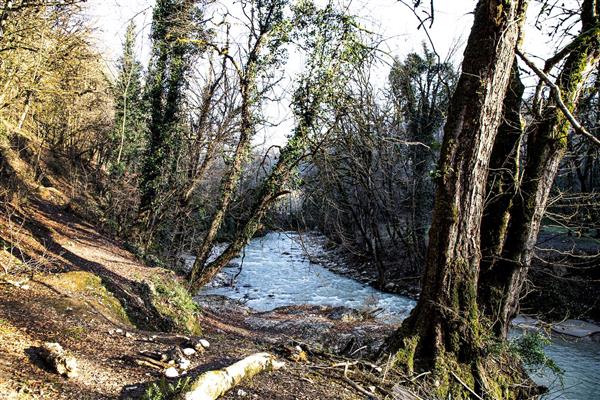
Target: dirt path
{"type": "Point", "coordinates": [69, 304]}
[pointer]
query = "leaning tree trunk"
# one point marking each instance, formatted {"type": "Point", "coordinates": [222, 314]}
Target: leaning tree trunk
{"type": "Point", "coordinates": [270, 190]}
{"type": "Point", "coordinates": [229, 183]}
{"type": "Point", "coordinates": [231, 179]}
{"type": "Point", "coordinates": [443, 331]}
{"type": "Point", "coordinates": [546, 146]}
{"type": "Point", "coordinates": [228, 188]}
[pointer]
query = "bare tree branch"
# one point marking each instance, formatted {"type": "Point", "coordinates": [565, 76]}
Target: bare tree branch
{"type": "Point", "coordinates": [580, 129]}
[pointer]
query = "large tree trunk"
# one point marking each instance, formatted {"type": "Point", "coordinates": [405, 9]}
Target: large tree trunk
{"type": "Point", "coordinates": [501, 186]}
{"type": "Point", "coordinates": [443, 328]}
{"type": "Point", "coordinates": [546, 146]}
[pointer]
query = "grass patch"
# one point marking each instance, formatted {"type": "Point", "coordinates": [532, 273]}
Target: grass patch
{"type": "Point", "coordinates": [172, 300]}
{"type": "Point", "coordinates": [164, 390]}
{"type": "Point", "coordinates": [76, 332]}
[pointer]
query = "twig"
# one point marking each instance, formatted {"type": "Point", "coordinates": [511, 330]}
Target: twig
{"type": "Point", "coordinates": [388, 364]}
{"type": "Point", "coordinates": [150, 362]}
{"type": "Point", "coordinates": [419, 376]}
{"type": "Point", "coordinates": [359, 349]}
{"type": "Point", "coordinates": [359, 388]}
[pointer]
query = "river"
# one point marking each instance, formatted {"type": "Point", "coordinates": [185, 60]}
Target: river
{"type": "Point", "coordinates": [276, 272]}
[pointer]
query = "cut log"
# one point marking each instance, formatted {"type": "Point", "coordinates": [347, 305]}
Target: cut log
{"type": "Point", "coordinates": [213, 384]}
{"type": "Point", "coordinates": [57, 358]}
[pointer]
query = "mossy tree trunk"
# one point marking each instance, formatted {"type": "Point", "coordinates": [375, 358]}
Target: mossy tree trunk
{"type": "Point", "coordinates": [229, 182]}
{"type": "Point", "coordinates": [501, 185]}
{"type": "Point", "coordinates": [231, 179]}
{"type": "Point", "coordinates": [546, 145]}
{"type": "Point", "coordinates": [271, 189]}
{"type": "Point", "coordinates": [443, 331]}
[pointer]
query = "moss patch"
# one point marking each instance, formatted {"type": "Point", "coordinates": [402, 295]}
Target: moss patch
{"type": "Point", "coordinates": [81, 284]}
{"type": "Point", "coordinates": [172, 300]}
{"type": "Point", "coordinates": [404, 357]}
{"type": "Point", "coordinates": [75, 332]}
{"type": "Point", "coordinates": [6, 328]}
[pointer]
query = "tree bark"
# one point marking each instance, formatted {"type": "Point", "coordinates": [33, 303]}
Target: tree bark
{"type": "Point", "coordinates": [444, 324]}
{"type": "Point", "coordinates": [546, 146]}
{"type": "Point", "coordinates": [501, 185]}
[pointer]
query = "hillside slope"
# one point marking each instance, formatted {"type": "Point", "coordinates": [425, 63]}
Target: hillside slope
{"type": "Point", "coordinates": [62, 280]}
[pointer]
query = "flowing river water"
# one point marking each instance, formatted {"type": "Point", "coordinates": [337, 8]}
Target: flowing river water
{"type": "Point", "coordinates": [276, 272]}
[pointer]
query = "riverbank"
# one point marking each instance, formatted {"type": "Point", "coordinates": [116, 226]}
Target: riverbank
{"type": "Point", "coordinates": [276, 270]}
{"type": "Point", "coordinates": [563, 279]}
{"type": "Point", "coordinates": [320, 250]}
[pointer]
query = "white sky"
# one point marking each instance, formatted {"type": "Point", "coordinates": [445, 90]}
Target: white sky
{"type": "Point", "coordinates": [389, 18]}
{"type": "Point", "coordinates": [453, 19]}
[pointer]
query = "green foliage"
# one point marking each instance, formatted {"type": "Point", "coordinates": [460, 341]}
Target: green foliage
{"type": "Point", "coordinates": [529, 348]}
{"type": "Point", "coordinates": [172, 300]}
{"type": "Point", "coordinates": [176, 37]}
{"type": "Point", "coordinates": [76, 332]}
{"type": "Point", "coordinates": [332, 39]}
{"type": "Point", "coordinates": [164, 390]}
{"type": "Point", "coordinates": [130, 120]}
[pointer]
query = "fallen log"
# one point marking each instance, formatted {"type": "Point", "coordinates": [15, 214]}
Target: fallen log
{"type": "Point", "coordinates": [213, 384]}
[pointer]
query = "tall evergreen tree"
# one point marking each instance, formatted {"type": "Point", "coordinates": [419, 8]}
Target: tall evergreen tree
{"type": "Point", "coordinates": [421, 87]}
{"type": "Point", "coordinates": [176, 33]}
{"type": "Point", "coordinates": [128, 135]}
